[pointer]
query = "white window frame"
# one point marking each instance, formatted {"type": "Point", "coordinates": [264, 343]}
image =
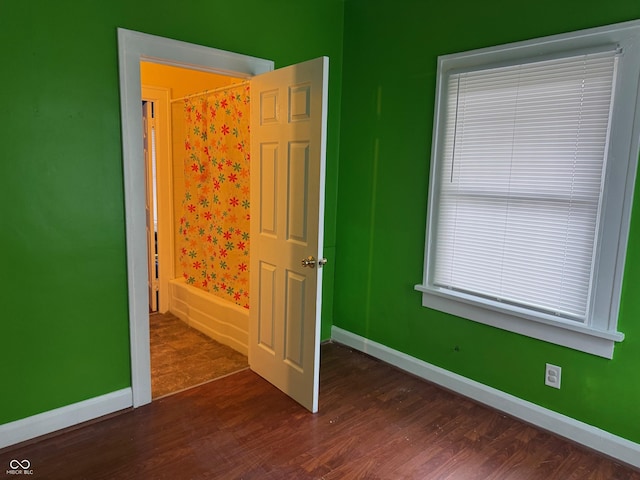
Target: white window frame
{"type": "Point", "coordinates": [599, 333]}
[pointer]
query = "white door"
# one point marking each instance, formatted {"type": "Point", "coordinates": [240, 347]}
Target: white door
{"type": "Point", "coordinates": [152, 272]}
{"type": "Point", "coordinates": [288, 137]}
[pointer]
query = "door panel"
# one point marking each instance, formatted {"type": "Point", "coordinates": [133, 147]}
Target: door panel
{"type": "Point", "coordinates": [266, 307]}
{"type": "Point", "coordinates": [294, 321]}
{"type": "Point", "coordinates": [268, 188]}
{"type": "Point", "coordinates": [288, 130]}
{"type": "Point", "coordinates": [298, 188]}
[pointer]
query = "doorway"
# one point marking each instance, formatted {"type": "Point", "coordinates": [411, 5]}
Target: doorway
{"type": "Point", "coordinates": [192, 118]}
{"type": "Point", "coordinates": [134, 47]}
{"type": "Point", "coordinates": [165, 88]}
{"type": "Point", "coordinates": [292, 116]}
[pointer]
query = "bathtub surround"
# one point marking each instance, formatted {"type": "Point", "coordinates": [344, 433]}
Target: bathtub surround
{"type": "Point", "coordinates": [219, 319]}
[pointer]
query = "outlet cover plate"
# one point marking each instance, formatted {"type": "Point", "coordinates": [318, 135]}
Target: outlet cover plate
{"type": "Point", "coordinates": [552, 375]}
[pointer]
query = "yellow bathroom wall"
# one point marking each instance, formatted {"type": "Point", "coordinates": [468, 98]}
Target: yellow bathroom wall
{"type": "Point", "coordinates": [181, 81]}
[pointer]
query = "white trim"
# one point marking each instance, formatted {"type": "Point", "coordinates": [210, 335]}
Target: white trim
{"type": "Point", "coordinates": [599, 334]}
{"type": "Point", "coordinates": [600, 440]}
{"type": "Point", "coordinates": [164, 182]}
{"type": "Point", "coordinates": [560, 332]}
{"type": "Point", "coordinates": [132, 48]}
{"type": "Point", "coordinates": [67, 416]}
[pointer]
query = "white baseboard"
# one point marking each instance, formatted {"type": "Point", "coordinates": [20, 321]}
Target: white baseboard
{"type": "Point", "coordinates": [602, 441]}
{"type": "Point", "coordinates": [47, 422]}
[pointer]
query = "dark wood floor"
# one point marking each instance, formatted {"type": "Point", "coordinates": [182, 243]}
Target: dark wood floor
{"type": "Point", "coordinates": [375, 422]}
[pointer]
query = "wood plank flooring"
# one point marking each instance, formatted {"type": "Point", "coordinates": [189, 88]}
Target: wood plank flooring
{"type": "Point", "coordinates": [375, 422]}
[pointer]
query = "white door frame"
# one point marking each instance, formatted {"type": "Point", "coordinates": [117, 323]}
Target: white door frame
{"type": "Point", "coordinates": [132, 48]}
{"type": "Point", "coordinates": [160, 97]}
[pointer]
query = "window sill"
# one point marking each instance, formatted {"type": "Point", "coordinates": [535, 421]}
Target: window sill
{"type": "Point", "coordinates": [560, 332]}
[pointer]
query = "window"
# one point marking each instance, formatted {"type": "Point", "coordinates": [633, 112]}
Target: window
{"type": "Point", "coordinates": [533, 159]}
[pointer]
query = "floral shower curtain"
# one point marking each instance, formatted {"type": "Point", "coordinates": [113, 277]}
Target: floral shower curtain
{"type": "Point", "coordinates": [214, 223]}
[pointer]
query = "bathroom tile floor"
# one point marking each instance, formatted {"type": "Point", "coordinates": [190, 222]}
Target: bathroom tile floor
{"type": "Point", "coordinates": [182, 357]}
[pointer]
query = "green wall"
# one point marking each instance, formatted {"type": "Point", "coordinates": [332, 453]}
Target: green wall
{"type": "Point", "coordinates": [64, 325]}
{"type": "Point", "coordinates": [390, 51]}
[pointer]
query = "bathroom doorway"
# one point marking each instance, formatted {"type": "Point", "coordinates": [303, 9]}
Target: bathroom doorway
{"type": "Point", "coordinates": [282, 331]}
{"type": "Point", "coordinates": [181, 356]}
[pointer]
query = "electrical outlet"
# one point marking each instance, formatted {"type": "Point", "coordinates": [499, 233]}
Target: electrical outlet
{"type": "Point", "coordinates": [552, 375]}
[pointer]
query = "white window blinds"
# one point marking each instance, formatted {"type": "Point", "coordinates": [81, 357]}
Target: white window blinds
{"type": "Point", "coordinates": [520, 182]}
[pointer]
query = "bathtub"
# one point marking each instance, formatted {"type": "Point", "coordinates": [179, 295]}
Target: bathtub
{"type": "Point", "coordinates": [217, 318]}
